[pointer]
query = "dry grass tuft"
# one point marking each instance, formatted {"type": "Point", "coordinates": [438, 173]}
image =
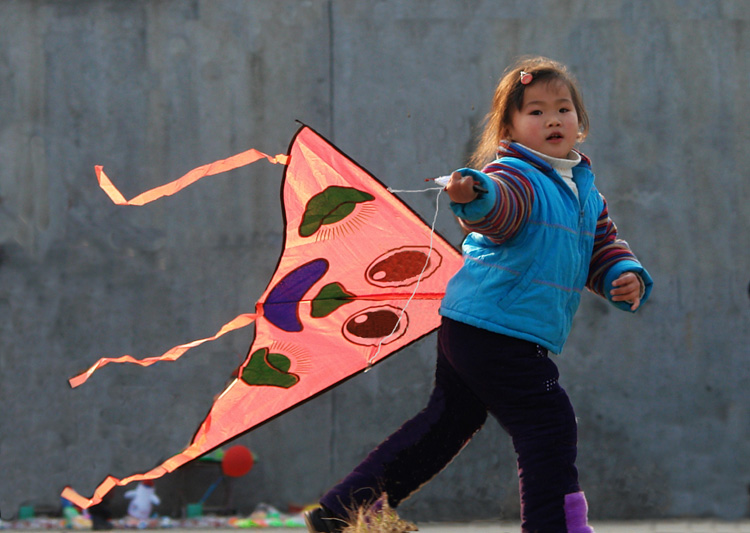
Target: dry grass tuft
{"type": "Point", "coordinates": [377, 518]}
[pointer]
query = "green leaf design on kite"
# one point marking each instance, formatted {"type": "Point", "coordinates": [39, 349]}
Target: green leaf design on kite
{"type": "Point", "coordinates": [332, 205]}
{"type": "Point", "coordinates": [269, 369]}
{"type": "Point", "coordinates": [330, 298]}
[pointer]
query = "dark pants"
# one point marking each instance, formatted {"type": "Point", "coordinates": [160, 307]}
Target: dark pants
{"type": "Point", "coordinates": [479, 372]}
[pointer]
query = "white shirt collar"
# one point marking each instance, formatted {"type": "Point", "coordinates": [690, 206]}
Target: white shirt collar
{"type": "Point", "coordinates": [563, 166]}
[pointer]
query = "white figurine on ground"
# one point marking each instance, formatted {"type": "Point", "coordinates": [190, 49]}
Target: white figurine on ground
{"type": "Point", "coordinates": [143, 499]}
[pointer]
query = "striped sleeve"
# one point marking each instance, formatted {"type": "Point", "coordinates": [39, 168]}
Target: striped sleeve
{"type": "Point", "coordinates": [515, 198]}
{"type": "Point", "coordinates": [608, 250]}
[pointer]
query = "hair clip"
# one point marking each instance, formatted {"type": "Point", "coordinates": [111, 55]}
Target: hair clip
{"type": "Point", "coordinates": [526, 77]}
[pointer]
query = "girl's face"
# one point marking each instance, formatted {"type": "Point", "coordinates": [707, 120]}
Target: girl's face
{"type": "Point", "coordinates": [547, 121]}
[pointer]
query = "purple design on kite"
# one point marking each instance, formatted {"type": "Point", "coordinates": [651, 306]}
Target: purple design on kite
{"type": "Point", "coordinates": [281, 305]}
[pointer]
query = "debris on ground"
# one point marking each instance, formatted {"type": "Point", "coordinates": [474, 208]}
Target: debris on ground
{"type": "Point", "coordinates": [264, 516]}
{"type": "Point", "coordinates": [378, 518]}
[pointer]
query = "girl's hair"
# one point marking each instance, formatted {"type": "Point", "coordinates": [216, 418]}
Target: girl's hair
{"type": "Point", "coordinates": [508, 99]}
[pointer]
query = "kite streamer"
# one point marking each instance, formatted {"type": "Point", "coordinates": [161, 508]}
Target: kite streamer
{"type": "Point", "coordinates": [168, 189]}
{"type": "Point", "coordinates": [360, 277]}
{"type": "Point", "coordinates": [172, 354]}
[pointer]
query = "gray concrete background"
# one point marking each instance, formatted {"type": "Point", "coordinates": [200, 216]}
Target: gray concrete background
{"type": "Point", "coordinates": [153, 89]}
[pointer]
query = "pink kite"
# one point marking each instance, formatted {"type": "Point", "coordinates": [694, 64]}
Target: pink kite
{"type": "Point", "coordinates": [360, 277]}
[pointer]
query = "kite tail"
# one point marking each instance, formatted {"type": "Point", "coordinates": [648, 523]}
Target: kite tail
{"type": "Point", "coordinates": [172, 354]}
{"type": "Point", "coordinates": [199, 445]}
{"type": "Point", "coordinates": [197, 448]}
{"type": "Point", "coordinates": [110, 482]}
{"type": "Point", "coordinates": [168, 189]}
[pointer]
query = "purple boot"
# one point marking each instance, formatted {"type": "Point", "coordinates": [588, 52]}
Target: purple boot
{"type": "Point", "coordinates": [576, 513]}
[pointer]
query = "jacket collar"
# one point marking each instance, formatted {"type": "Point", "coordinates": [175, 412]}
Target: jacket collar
{"type": "Point", "coordinates": [512, 149]}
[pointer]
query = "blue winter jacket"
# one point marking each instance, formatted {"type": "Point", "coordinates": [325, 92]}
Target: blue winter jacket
{"type": "Point", "coordinates": [534, 247]}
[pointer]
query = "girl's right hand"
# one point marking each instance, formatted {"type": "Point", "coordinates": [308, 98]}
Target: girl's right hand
{"type": "Point", "coordinates": [460, 188]}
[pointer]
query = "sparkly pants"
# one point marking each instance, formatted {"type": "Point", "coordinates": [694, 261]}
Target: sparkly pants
{"type": "Point", "coordinates": [479, 372]}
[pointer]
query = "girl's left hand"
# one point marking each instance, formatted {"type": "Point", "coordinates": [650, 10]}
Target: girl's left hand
{"type": "Point", "coordinates": [627, 288]}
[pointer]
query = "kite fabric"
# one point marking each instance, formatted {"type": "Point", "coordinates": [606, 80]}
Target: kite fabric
{"type": "Point", "coordinates": [360, 277]}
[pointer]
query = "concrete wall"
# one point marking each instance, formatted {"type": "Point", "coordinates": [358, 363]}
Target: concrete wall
{"type": "Point", "coordinates": [153, 89]}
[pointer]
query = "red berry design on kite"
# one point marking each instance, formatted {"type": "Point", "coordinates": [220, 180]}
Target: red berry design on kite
{"type": "Point", "coordinates": [376, 325]}
{"type": "Point", "coordinates": [403, 266]}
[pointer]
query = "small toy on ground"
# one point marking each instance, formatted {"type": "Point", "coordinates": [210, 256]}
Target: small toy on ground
{"type": "Point", "coordinates": [266, 516]}
{"type": "Point", "coordinates": [143, 498]}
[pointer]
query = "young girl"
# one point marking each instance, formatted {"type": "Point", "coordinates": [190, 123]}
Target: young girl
{"type": "Point", "coordinates": [539, 234]}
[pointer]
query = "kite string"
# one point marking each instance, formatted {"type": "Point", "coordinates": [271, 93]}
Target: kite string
{"type": "Point", "coordinates": [419, 279]}
{"type": "Point", "coordinates": [417, 190]}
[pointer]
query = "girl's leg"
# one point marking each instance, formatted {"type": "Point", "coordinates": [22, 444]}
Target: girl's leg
{"type": "Point", "coordinates": [518, 382]}
{"type": "Point", "coordinates": [544, 434]}
{"type": "Point", "coordinates": [417, 451]}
